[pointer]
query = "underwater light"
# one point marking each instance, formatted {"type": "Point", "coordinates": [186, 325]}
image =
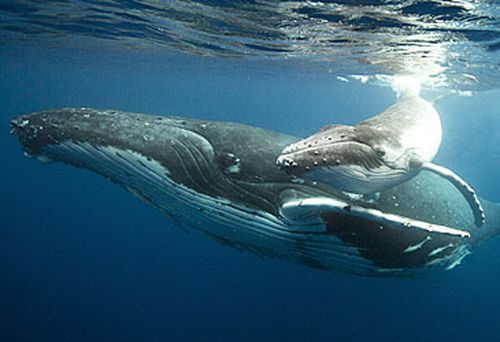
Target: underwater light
{"type": "Point", "coordinates": [406, 85]}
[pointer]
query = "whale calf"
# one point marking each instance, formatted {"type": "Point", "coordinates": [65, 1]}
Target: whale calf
{"type": "Point", "coordinates": [378, 153]}
{"type": "Point", "coordinates": [220, 178]}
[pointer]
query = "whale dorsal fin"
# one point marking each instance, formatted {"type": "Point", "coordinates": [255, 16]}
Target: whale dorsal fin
{"type": "Point", "coordinates": [465, 189]}
{"type": "Point", "coordinates": [307, 210]}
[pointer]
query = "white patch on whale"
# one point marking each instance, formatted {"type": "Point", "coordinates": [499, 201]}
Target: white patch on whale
{"type": "Point", "coordinates": [452, 259]}
{"type": "Point", "coordinates": [417, 246]}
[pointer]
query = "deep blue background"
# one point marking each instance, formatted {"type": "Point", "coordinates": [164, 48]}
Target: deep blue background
{"type": "Point", "coordinates": [81, 259]}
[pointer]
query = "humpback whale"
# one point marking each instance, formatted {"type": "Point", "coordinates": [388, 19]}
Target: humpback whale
{"type": "Point", "coordinates": [220, 178]}
{"type": "Point", "coordinates": [378, 153]}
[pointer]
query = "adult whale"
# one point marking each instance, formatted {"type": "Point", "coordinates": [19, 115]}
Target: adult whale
{"type": "Point", "coordinates": [378, 153]}
{"type": "Point", "coordinates": [221, 178]}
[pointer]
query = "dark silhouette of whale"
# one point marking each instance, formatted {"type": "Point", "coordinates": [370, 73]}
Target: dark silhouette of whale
{"type": "Point", "coordinates": [221, 178]}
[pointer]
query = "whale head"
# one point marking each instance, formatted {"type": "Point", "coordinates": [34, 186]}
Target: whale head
{"type": "Point", "coordinates": [350, 158]}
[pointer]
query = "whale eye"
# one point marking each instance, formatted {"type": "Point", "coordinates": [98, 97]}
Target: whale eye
{"type": "Point", "coordinates": [414, 163]}
{"type": "Point", "coordinates": [380, 152]}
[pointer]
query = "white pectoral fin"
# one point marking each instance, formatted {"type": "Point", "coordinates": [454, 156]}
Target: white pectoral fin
{"type": "Point", "coordinates": [303, 209]}
{"type": "Point", "coordinates": [465, 189]}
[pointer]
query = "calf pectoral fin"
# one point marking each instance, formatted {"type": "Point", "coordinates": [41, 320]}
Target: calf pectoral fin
{"type": "Point", "coordinates": [465, 189]}
{"type": "Point", "coordinates": [304, 209]}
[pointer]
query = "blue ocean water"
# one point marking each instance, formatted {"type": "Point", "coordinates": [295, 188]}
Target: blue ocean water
{"type": "Point", "coordinates": [82, 260]}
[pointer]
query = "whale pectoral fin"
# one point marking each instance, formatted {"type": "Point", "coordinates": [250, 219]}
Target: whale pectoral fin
{"type": "Point", "coordinates": [310, 210]}
{"type": "Point", "coordinates": [465, 189]}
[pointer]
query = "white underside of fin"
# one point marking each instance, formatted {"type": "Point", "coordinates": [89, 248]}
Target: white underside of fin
{"type": "Point", "coordinates": [296, 210]}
